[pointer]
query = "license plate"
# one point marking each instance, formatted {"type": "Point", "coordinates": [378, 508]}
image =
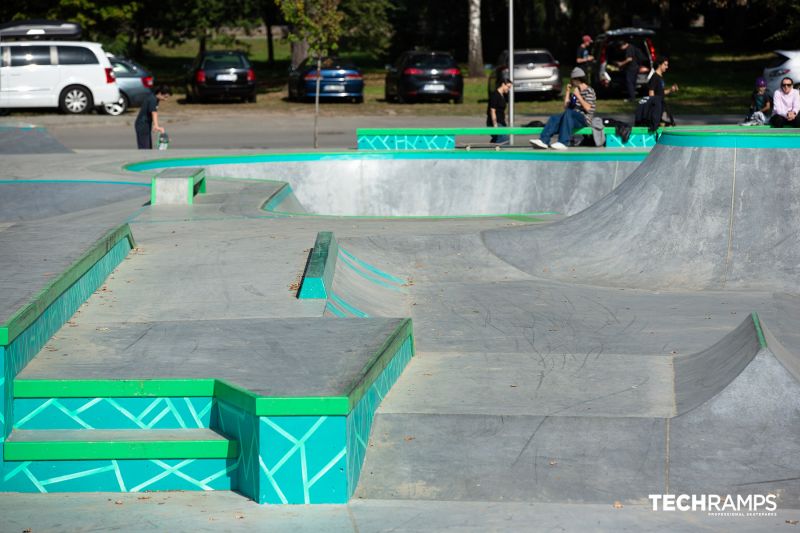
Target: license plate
{"type": "Point", "coordinates": [226, 77]}
{"type": "Point", "coordinates": [334, 88]}
{"type": "Point", "coordinates": [434, 87]}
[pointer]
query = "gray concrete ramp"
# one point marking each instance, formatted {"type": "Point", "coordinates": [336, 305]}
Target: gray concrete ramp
{"type": "Point", "coordinates": [695, 217]}
{"type": "Point", "coordinates": [28, 139]}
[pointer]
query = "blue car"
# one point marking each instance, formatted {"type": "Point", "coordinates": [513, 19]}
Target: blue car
{"type": "Point", "coordinates": [134, 84]}
{"type": "Point", "coordinates": [339, 79]}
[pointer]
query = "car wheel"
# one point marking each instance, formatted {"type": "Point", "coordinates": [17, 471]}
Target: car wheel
{"type": "Point", "coordinates": [118, 107]}
{"type": "Point", "coordinates": [358, 100]}
{"type": "Point", "coordinates": [400, 99]}
{"type": "Point", "coordinates": [458, 99]}
{"type": "Point", "coordinates": [252, 98]}
{"type": "Point", "coordinates": [75, 100]}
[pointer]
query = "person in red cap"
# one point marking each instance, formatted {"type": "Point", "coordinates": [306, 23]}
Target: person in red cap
{"type": "Point", "coordinates": [583, 56]}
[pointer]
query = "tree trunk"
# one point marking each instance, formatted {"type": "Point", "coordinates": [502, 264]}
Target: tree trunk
{"type": "Point", "coordinates": [268, 18]}
{"type": "Point", "coordinates": [203, 39]}
{"type": "Point", "coordinates": [299, 52]}
{"type": "Point", "coordinates": [475, 42]}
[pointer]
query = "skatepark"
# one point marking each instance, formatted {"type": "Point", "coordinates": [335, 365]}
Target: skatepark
{"type": "Point", "coordinates": [413, 340]}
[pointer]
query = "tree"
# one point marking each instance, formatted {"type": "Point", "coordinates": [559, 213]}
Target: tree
{"type": "Point", "coordinates": [318, 23]}
{"type": "Point", "coordinates": [366, 26]}
{"type": "Point", "coordinates": [475, 48]}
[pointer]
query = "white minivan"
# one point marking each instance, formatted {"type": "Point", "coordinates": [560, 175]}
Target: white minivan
{"type": "Point", "coordinates": [74, 76]}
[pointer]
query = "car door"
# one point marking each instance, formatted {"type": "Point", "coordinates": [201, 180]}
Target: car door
{"type": "Point", "coordinates": [32, 77]}
{"type": "Point", "coordinates": [5, 75]}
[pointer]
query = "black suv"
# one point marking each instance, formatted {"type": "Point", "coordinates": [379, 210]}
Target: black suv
{"type": "Point", "coordinates": [424, 75]}
{"type": "Point", "coordinates": [606, 77]}
{"type": "Point", "coordinates": [221, 74]}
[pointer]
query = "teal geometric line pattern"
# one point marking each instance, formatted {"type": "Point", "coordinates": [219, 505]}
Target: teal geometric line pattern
{"type": "Point", "coordinates": [242, 426]}
{"type": "Point", "coordinates": [369, 277]}
{"type": "Point", "coordinates": [120, 476]}
{"type": "Point", "coordinates": [406, 142]}
{"type": "Point", "coordinates": [331, 309]}
{"type": "Point", "coordinates": [303, 459]}
{"type": "Point", "coordinates": [636, 140]}
{"type": "Point", "coordinates": [339, 302]}
{"type": "Point", "coordinates": [359, 421]}
{"type": "Point", "coordinates": [112, 413]}
{"type": "Point", "coordinates": [28, 343]}
{"type": "Point", "coordinates": [373, 269]}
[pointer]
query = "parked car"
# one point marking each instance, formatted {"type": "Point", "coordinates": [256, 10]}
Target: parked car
{"type": "Point", "coordinates": [785, 64]}
{"type": "Point", "coordinates": [74, 76]}
{"type": "Point", "coordinates": [134, 84]}
{"type": "Point", "coordinates": [424, 75]}
{"type": "Point", "coordinates": [339, 78]}
{"type": "Point", "coordinates": [606, 77]}
{"type": "Point", "coordinates": [535, 73]}
{"type": "Point", "coordinates": [221, 74]}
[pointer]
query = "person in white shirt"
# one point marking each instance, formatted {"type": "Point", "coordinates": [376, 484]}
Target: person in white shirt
{"type": "Point", "coordinates": [785, 106]}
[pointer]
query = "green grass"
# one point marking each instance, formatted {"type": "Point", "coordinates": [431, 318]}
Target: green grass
{"type": "Point", "coordinates": [712, 80]}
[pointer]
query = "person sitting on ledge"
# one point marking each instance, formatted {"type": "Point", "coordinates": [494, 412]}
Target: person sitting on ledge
{"type": "Point", "coordinates": [785, 105]}
{"type": "Point", "coordinates": [580, 102]}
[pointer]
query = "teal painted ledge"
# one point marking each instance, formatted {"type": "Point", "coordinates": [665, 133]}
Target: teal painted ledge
{"type": "Point", "coordinates": [318, 277]}
{"type": "Point", "coordinates": [726, 138]}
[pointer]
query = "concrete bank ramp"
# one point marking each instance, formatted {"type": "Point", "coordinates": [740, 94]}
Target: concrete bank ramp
{"type": "Point", "coordinates": [28, 139]}
{"type": "Point", "coordinates": [714, 210]}
{"type": "Point", "coordinates": [434, 184]}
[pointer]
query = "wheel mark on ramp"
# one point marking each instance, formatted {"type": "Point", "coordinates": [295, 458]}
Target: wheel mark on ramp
{"type": "Point", "coordinates": [730, 223]}
{"type": "Point", "coordinates": [347, 307]}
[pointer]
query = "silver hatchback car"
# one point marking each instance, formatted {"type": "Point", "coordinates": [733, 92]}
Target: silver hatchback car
{"type": "Point", "coordinates": [785, 64]}
{"type": "Point", "coordinates": [536, 73]}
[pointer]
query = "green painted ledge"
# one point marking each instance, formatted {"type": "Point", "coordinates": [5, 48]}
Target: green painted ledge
{"type": "Point", "coordinates": [744, 138]}
{"type": "Point", "coordinates": [121, 449]}
{"type": "Point", "coordinates": [318, 277]}
{"type": "Point", "coordinates": [477, 131]}
{"type": "Point", "coordinates": [25, 316]}
{"type": "Point", "coordinates": [222, 390]}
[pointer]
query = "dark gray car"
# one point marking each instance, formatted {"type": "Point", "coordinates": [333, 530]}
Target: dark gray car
{"type": "Point", "coordinates": [134, 84]}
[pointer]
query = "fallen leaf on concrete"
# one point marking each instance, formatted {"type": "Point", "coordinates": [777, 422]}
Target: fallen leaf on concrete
{"type": "Point", "coordinates": [118, 502]}
{"type": "Point", "coordinates": [617, 505]}
{"type": "Point", "coordinates": [792, 522]}
{"type": "Point", "coordinates": [409, 438]}
{"type": "Point", "coordinates": [553, 462]}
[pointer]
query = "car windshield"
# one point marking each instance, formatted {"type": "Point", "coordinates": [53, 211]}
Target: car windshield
{"type": "Point", "coordinates": [532, 57]}
{"type": "Point", "coordinates": [222, 61]}
{"type": "Point", "coordinates": [432, 61]}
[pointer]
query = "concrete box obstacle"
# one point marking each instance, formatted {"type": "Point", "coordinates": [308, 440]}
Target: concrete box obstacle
{"type": "Point", "coordinates": [177, 186]}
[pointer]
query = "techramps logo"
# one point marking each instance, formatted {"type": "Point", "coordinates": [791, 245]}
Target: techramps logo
{"type": "Point", "coordinates": [749, 506]}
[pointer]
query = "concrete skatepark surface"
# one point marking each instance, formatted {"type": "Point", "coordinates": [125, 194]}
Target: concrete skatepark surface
{"type": "Point", "coordinates": [563, 372]}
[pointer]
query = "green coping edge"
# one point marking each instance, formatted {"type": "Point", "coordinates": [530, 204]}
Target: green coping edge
{"type": "Point", "coordinates": [373, 368]}
{"type": "Point", "coordinates": [122, 449]}
{"type": "Point", "coordinates": [728, 139]}
{"type": "Point", "coordinates": [760, 332]}
{"type": "Point", "coordinates": [477, 131]}
{"type": "Point", "coordinates": [222, 390]}
{"type": "Point", "coordinates": [25, 316]}
{"type": "Point", "coordinates": [318, 277]}
{"type": "Point", "coordinates": [375, 155]}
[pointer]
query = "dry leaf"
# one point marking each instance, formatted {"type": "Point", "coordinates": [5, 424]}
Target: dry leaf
{"type": "Point", "coordinates": [617, 504]}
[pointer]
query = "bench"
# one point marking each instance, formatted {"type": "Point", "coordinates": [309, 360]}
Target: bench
{"type": "Point", "coordinates": [177, 186]}
{"type": "Point", "coordinates": [445, 138]}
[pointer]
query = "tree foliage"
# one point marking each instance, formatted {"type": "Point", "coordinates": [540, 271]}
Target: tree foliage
{"type": "Point", "coordinates": [317, 22]}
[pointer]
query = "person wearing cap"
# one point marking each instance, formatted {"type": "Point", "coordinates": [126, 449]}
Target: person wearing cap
{"type": "Point", "coordinates": [760, 104]}
{"type": "Point", "coordinates": [583, 56]}
{"type": "Point", "coordinates": [496, 110]}
{"type": "Point", "coordinates": [580, 102]}
{"type": "Point", "coordinates": [786, 104]}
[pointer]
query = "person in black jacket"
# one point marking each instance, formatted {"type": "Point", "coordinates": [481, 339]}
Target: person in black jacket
{"type": "Point", "coordinates": [147, 119]}
{"type": "Point", "coordinates": [496, 110]}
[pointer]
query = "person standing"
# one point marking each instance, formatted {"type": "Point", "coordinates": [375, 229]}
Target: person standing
{"type": "Point", "coordinates": [583, 57]}
{"type": "Point", "coordinates": [630, 65]}
{"type": "Point", "coordinates": [496, 110]}
{"type": "Point", "coordinates": [147, 119]}
{"type": "Point", "coordinates": [785, 106]}
{"type": "Point", "coordinates": [580, 102]}
{"type": "Point", "coordinates": [656, 85]}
